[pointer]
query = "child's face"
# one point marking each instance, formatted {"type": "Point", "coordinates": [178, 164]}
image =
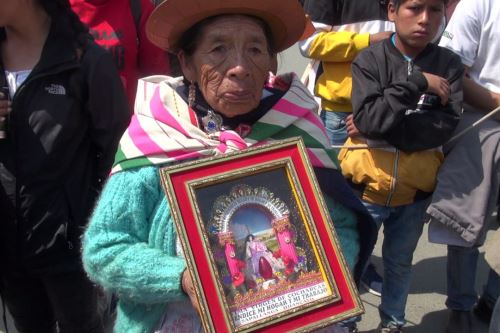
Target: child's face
{"type": "Point", "coordinates": [417, 22]}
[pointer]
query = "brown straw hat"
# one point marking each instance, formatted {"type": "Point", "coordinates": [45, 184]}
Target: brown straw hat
{"type": "Point", "coordinates": [172, 18]}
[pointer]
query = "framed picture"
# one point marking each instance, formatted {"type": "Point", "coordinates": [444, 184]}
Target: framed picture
{"type": "Point", "coordinates": [259, 242]}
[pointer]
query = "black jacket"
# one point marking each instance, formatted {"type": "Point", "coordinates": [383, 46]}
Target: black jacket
{"type": "Point", "coordinates": [387, 89]}
{"type": "Point", "coordinates": [63, 131]}
{"type": "Point", "coordinates": [343, 12]}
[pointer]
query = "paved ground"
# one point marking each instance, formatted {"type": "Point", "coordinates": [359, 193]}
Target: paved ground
{"type": "Point", "coordinates": [425, 310]}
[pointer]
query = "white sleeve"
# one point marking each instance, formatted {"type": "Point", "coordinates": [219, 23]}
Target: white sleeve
{"type": "Point", "coordinates": [463, 33]}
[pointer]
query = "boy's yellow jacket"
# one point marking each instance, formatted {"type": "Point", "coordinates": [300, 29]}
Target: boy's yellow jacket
{"type": "Point", "coordinates": [336, 52]}
{"type": "Point", "coordinates": [391, 104]}
{"type": "Point", "coordinates": [390, 177]}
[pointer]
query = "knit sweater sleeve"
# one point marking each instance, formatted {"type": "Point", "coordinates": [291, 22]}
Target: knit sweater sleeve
{"type": "Point", "coordinates": [117, 251]}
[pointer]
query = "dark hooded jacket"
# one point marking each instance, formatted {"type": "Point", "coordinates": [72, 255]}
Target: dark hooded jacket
{"type": "Point", "coordinates": [62, 133]}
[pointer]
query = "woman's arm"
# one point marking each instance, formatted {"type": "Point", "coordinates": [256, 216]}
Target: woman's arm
{"type": "Point", "coordinates": [480, 97]}
{"type": "Point", "coordinates": [128, 247]}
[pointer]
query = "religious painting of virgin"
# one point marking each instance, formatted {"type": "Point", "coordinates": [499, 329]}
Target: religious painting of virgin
{"type": "Point", "coordinates": [263, 251]}
{"type": "Point", "coordinates": [259, 242]}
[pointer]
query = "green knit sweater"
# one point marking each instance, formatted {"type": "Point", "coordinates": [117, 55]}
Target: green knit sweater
{"type": "Point", "coordinates": [129, 247]}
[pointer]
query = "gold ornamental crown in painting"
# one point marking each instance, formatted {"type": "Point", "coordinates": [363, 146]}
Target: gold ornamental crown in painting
{"type": "Point", "coordinates": [242, 195]}
{"type": "Point", "coordinates": [280, 224]}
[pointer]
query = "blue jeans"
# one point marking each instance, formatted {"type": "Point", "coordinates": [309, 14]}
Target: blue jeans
{"type": "Point", "coordinates": [461, 279]}
{"type": "Point", "coordinates": [336, 128]}
{"type": "Point", "coordinates": [402, 229]}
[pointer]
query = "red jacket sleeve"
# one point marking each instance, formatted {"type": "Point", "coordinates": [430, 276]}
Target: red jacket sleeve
{"type": "Point", "coordinates": [151, 59]}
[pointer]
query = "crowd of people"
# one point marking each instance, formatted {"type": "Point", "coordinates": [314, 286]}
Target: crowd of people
{"type": "Point", "coordinates": [92, 106]}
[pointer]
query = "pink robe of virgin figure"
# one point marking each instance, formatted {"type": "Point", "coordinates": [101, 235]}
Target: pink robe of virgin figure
{"type": "Point", "coordinates": [287, 246]}
{"type": "Point", "coordinates": [232, 262]}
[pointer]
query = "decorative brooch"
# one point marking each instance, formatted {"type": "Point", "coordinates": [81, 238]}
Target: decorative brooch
{"type": "Point", "coordinates": [212, 122]}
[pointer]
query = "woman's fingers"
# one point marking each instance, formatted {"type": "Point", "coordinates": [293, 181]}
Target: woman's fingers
{"type": "Point", "coordinates": [352, 130]}
{"type": "Point", "coordinates": [188, 287]}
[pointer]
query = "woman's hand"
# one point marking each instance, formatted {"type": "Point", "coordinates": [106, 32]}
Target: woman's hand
{"type": "Point", "coordinates": [352, 130]}
{"type": "Point", "coordinates": [5, 105]}
{"type": "Point", "coordinates": [439, 86]}
{"type": "Point", "coordinates": [187, 286]}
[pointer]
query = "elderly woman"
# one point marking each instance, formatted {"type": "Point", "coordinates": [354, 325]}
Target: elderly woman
{"type": "Point", "coordinates": [226, 100]}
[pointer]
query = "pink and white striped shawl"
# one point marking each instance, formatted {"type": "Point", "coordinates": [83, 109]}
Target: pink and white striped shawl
{"type": "Point", "coordinates": [164, 129]}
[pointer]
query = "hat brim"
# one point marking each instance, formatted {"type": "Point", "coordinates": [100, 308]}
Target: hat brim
{"type": "Point", "coordinates": [172, 18]}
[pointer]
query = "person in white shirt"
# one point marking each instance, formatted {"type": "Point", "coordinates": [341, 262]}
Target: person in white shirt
{"type": "Point", "coordinates": [468, 181]}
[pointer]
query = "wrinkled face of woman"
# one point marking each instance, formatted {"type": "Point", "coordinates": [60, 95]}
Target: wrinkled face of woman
{"type": "Point", "coordinates": [230, 64]}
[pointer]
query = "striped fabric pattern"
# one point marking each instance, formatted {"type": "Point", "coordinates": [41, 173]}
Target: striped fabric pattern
{"type": "Point", "coordinates": [164, 129]}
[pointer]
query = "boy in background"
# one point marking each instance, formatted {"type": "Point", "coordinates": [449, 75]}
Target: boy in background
{"type": "Point", "coordinates": [407, 95]}
{"type": "Point", "coordinates": [343, 29]}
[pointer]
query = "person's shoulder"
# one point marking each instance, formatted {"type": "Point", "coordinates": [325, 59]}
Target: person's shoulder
{"type": "Point", "coordinates": [373, 51]}
{"type": "Point", "coordinates": [469, 13]}
{"type": "Point", "coordinates": [447, 54]}
{"type": "Point", "coordinates": [467, 6]}
{"type": "Point", "coordinates": [135, 178]}
{"type": "Point", "coordinates": [94, 51]}
{"type": "Point", "coordinates": [321, 11]}
{"type": "Point", "coordinates": [139, 172]}
{"type": "Point", "coordinates": [378, 46]}
{"type": "Point", "coordinates": [93, 55]}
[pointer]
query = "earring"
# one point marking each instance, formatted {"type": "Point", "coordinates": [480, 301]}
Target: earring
{"type": "Point", "coordinates": [191, 94]}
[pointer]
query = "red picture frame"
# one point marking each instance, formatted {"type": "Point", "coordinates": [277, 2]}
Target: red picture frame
{"type": "Point", "coordinates": [259, 242]}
